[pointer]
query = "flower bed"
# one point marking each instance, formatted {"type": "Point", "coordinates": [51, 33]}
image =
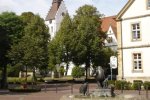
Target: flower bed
{"type": "Point", "coordinates": [28, 88]}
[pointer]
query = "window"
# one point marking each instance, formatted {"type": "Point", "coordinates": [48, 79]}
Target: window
{"type": "Point", "coordinates": [109, 40]}
{"type": "Point", "coordinates": [148, 4]}
{"type": "Point", "coordinates": [136, 33]}
{"type": "Point", "coordinates": [52, 29]}
{"type": "Point", "coordinates": [62, 13]}
{"type": "Point", "coordinates": [137, 61]}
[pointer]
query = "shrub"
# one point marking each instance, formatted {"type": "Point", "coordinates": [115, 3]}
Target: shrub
{"type": "Point", "coordinates": [62, 70]}
{"type": "Point", "coordinates": [145, 84]}
{"type": "Point", "coordinates": [119, 84]}
{"type": "Point", "coordinates": [128, 86]}
{"type": "Point", "coordinates": [13, 71]}
{"type": "Point", "coordinates": [16, 80]}
{"type": "Point", "coordinates": [137, 84]}
{"type": "Point", "coordinates": [123, 85]}
{"type": "Point", "coordinates": [77, 72]}
{"type": "Point", "coordinates": [31, 88]}
{"type": "Point", "coordinates": [111, 82]}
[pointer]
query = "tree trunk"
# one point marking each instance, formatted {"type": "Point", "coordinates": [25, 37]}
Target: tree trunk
{"type": "Point", "coordinates": [86, 68]}
{"type": "Point", "coordinates": [26, 75]}
{"type": "Point", "coordinates": [67, 67]}
{"type": "Point", "coordinates": [4, 78]}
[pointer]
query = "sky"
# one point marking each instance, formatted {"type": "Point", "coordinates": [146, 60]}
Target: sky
{"type": "Point", "coordinates": [41, 7]}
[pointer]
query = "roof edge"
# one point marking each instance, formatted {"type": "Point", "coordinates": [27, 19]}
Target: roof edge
{"type": "Point", "coordinates": [124, 9]}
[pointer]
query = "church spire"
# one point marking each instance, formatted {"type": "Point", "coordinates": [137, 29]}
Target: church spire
{"type": "Point", "coordinates": [57, 1]}
{"type": "Point", "coordinates": [53, 10]}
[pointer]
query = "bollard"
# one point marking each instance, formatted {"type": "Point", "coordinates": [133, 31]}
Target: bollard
{"type": "Point", "coordinates": [147, 91]}
{"type": "Point", "coordinates": [71, 88]}
{"type": "Point", "coordinates": [139, 88]}
{"type": "Point", "coordinates": [121, 88]}
{"type": "Point", "coordinates": [45, 87]}
{"type": "Point", "coordinates": [88, 91]}
{"type": "Point", "coordinates": [56, 87]}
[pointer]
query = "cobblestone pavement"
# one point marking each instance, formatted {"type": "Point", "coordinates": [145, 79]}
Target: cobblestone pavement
{"type": "Point", "coordinates": [53, 93]}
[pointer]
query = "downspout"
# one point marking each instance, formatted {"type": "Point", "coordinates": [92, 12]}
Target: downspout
{"type": "Point", "coordinates": [122, 50]}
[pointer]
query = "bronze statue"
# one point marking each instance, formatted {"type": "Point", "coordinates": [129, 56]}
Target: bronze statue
{"type": "Point", "coordinates": [83, 88]}
{"type": "Point", "coordinates": [99, 75]}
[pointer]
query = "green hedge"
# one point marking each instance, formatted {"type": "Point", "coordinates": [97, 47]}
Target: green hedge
{"type": "Point", "coordinates": [16, 80]}
{"type": "Point", "coordinates": [31, 88]}
{"type": "Point", "coordinates": [119, 84]}
{"type": "Point", "coordinates": [137, 84]}
{"type": "Point", "coordinates": [77, 72]}
{"type": "Point", "coordinates": [146, 84]}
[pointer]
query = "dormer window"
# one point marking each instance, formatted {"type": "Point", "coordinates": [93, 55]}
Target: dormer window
{"type": "Point", "coordinates": [148, 4]}
{"type": "Point", "coordinates": [109, 40]}
{"type": "Point", "coordinates": [50, 21]}
{"type": "Point", "coordinates": [63, 14]}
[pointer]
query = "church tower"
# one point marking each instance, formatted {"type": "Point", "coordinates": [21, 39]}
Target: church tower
{"type": "Point", "coordinates": [55, 16]}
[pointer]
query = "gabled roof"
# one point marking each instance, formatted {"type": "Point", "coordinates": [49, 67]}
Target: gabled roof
{"type": "Point", "coordinates": [124, 9]}
{"type": "Point", "coordinates": [53, 10]}
{"type": "Point", "coordinates": [107, 22]}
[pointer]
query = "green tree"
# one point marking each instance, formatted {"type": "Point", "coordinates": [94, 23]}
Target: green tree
{"type": "Point", "coordinates": [77, 72]}
{"type": "Point", "coordinates": [87, 38]}
{"type": "Point", "coordinates": [54, 53]}
{"type": "Point", "coordinates": [64, 38]}
{"type": "Point", "coordinates": [11, 27]}
{"type": "Point", "coordinates": [32, 50]}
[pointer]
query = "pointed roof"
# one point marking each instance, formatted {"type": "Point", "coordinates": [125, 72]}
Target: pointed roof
{"type": "Point", "coordinates": [107, 22]}
{"type": "Point", "coordinates": [124, 9]}
{"type": "Point", "coordinates": [53, 10]}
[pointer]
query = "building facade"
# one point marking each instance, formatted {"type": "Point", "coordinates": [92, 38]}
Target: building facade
{"type": "Point", "coordinates": [134, 41]}
{"type": "Point", "coordinates": [109, 25]}
{"type": "Point", "coordinates": [55, 16]}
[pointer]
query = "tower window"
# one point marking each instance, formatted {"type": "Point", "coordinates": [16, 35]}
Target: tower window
{"type": "Point", "coordinates": [52, 29]}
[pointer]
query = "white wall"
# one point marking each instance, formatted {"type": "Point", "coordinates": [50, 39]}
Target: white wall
{"type": "Point", "coordinates": [59, 17]}
{"type": "Point", "coordinates": [128, 64]}
{"type": "Point", "coordinates": [50, 25]}
{"type": "Point", "coordinates": [55, 23]}
{"type": "Point", "coordinates": [145, 32]}
{"type": "Point", "coordinates": [113, 44]}
{"type": "Point", "coordinates": [138, 8]}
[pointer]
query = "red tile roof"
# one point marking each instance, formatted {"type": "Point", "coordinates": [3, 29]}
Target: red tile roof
{"type": "Point", "coordinates": [107, 22]}
{"type": "Point", "coordinates": [53, 10]}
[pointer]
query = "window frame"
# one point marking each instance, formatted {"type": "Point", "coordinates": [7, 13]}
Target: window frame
{"type": "Point", "coordinates": [52, 29]}
{"type": "Point", "coordinates": [148, 4]}
{"type": "Point", "coordinates": [137, 59]}
{"type": "Point", "coordinates": [109, 39]}
{"type": "Point", "coordinates": [136, 30]}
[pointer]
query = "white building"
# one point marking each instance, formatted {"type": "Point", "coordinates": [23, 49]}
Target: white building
{"type": "Point", "coordinates": [109, 25]}
{"type": "Point", "coordinates": [54, 19]}
{"type": "Point", "coordinates": [134, 41]}
{"type": "Point", "coordinates": [55, 16]}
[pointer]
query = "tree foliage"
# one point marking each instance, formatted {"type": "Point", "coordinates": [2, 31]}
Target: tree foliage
{"type": "Point", "coordinates": [11, 27]}
{"type": "Point", "coordinates": [77, 72]}
{"type": "Point", "coordinates": [60, 45]}
{"type": "Point", "coordinates": [87, 40]}
{"type": "Point", "coordinates": [31, 51]}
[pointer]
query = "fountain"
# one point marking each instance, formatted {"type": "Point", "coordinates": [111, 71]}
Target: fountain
{"type": "Point", "coordinates": [102, 92]}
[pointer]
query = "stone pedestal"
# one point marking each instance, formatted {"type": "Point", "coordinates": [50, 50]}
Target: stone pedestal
{"type": "Point", "coordinates": [102, 93]}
